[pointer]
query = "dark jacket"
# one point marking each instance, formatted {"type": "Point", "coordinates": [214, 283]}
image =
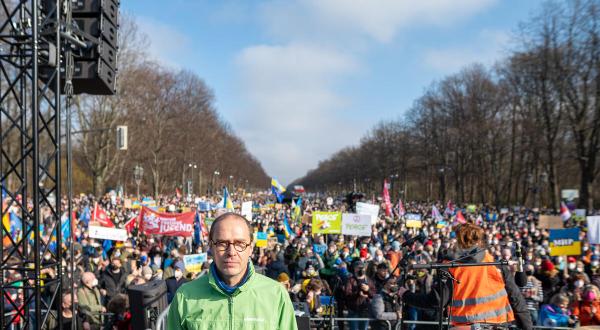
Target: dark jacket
{"type": "Point", "coordinates": [275, 268]}
{"type": "Point", "coordinates": [354, 300]}
{"type": "Point", "coordinates": [113, 283]}
{"type": "Point", "coordinates": [516, 299]}
{"type": "Point", "coordinates": [172, 285]}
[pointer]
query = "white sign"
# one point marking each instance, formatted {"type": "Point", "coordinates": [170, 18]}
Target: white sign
{"type": "Point", "coordinates": [569, 194]}
{"type": "Point", "coordinates": [593, 233]}
{"type": "Point", "coordinates": [112, 234]}
{"type": "Point", "coordinates": [329, 201]}
{"type": "Point", "coordinates": [247, 210]}
{"type": "Point", "coordinates": [356, 224]}
{"type": "Point", "coordinates": [369, 209]}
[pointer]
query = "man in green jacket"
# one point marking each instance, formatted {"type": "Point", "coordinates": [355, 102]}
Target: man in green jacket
{"type": "Point", "coordinates": [231, 296]}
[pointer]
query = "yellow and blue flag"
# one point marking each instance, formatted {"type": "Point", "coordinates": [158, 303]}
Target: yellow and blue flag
{"type": "Point", "coordinates": [277, 189]}
{"type": "Point", "coordinates": [287, 229]}
{"type": "Point", "coordinates": [227, 200]}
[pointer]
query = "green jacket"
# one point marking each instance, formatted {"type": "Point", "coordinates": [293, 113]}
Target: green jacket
{"type": "Point", "coordinates": [260, 303]}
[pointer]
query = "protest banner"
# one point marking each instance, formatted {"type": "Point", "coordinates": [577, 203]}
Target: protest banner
{"type": "Point", "coordinates": [569, 194]}
{"type": "Point", "coordinates": [247, 210]}
{"type": "Point", "coordinates": [593, 232]}
{"type": "Point", "coordinates": [369, 209]}
{"type": "Point", "coordinates": [326, 223]}
{"type": "Point", "coordinates": [356, 224]}
{"type": "Point", "coordinates": [261, 239]}
{"type": "Point", "coordinates": [565, 242]}
{"type": "Point", "coordinates": [471, 208]}
{"type": "Point", "coordinates": [550, 222]}
{"type": "Point", "coordinates": [167, 224]}
{"type": "Point", "coordinates": [127, 203]}
{"type": "Point", "coordinates": [413, 220]}
{"type": "Point", "coordinates": [504, 210]}
{"type": "Point", "coordinates": [112, 234]}
{"type": "Point", "coordinates": [193, 262]}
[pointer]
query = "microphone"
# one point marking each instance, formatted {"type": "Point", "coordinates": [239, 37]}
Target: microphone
{"type": "Point", "coordinates": [520, 276]}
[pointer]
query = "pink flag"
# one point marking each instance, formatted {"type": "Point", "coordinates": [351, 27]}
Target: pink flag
{"type": "Point", "coordinates": [460, 218]}
{"type": "Point", "coordinates": [401, 209]}
{"type": "Point", "coordinates": [129, 225]}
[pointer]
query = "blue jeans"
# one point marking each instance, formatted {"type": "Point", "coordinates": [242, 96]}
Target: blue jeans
{"type": "Point", "coordinates": [357, 325]}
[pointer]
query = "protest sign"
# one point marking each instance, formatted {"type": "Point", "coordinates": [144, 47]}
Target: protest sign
{"type": "Point", "coordinates": [208, 222]}
{"type": "Point", "coordinates": [167, 224]}
{"type": "Point", "coordinates": [569, 194]}
{"type": "Point", "coordinates": [327, 223]}
{"type": "Point", "coordinates": [112, 234]}
{"type": "Point", "coordinates": [369, 209]}
{"type": "Point", "coordinates": [329, 201]}
{"type": "Point", "coordinates": [193, 262]}
{"type": "Point", "coordinates": [413, 220]}
{"type": "Point", "coordinates": [356, 224]}
{"type": "Point", "coordinates": [565, 242]}
{"type": "Point", "coordinates": [593, 233]}
{"type": "Point", "coordinates": [127, 203]}
{"type": "Point", "coordinates": [247, 210]}
{"type": "Point", "coordinates": [261, 239]}
{"type": "Point", "coordinates": [550, 222]}
{"type": "Point", "coordinates": [578, 215]}
{"type": "Point", "coordinates": [471, 208]}
{"type": "Point", "coordinates": [504, 210]}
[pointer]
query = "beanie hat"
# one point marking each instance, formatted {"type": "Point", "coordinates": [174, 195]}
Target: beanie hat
{"type": "Point", "coordinates": [547, 265]}
{"type": "Point", "coordinates": [283, 277]}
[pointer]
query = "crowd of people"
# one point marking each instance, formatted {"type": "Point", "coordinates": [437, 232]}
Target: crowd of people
{"type": "Point", "coordinates": [335, 275]}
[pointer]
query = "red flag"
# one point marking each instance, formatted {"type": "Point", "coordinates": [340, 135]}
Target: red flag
{"type": "Point", "coordinates": [460, 218]}
{"type": "Point", "coordinates": [178, 193]}
{"type": "Point", "coordinates": [386, 198]}
{"type": "Point", "coordinates": [167, 224]}
{"type": "Point", "coordinates": [100, 216]}
{"type": "Point", "coordinates": [129, 225]}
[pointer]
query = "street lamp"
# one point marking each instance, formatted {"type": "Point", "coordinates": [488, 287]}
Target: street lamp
{"type": "Point", "coordinates": [138, 174]}
{"type": "Point", "coordinates": [215, 173]}
{"type": "Point", "coordinates": [192, 166]}
{"type": "Point", "coordinates": [231, 182]}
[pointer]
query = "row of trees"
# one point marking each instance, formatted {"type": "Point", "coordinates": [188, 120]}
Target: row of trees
{"type": "Point", "coordinates": [175, 133]}
{"type": "Point", "coordinates": [516, 133]}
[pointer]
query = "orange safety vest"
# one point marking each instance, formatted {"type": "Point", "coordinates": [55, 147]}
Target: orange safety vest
{"type": "Point", "coordinates": [480, 296]}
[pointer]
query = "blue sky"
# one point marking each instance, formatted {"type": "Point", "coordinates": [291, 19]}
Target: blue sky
{"type": "Point", "coordinates": [299, 79]}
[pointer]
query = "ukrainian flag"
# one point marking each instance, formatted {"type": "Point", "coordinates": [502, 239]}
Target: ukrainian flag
{"type": "Point", "coordinates": [277, 189]}
{"type": "Point", "coordinates": [287, 229]}
{"type": "Point", "coordinates": [227, 200]}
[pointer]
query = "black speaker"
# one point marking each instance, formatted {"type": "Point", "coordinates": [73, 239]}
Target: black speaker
{"type": "Point", "coordinates": [146, 302]}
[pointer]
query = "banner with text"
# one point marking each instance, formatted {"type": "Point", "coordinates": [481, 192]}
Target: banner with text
{"type": "Point", "coordinates": [565, 242]}
{"type": "Point", "coordinates": [167, 224]}
{"type": "Point", "coordinates": [327, 223]}
{"type": "Point", "coordinates": [356, 224]}
{"type": "Point", "coordinates": [112, 234]}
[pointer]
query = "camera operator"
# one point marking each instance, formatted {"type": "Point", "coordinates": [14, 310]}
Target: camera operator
{"type": "Point", "coordinates": [384, 305]}
{"type": "Point", "coordinates": [358, 291]}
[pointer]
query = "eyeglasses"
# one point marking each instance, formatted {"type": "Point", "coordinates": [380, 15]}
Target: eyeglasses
{"type": "Point", "coordinates": [239, 246]}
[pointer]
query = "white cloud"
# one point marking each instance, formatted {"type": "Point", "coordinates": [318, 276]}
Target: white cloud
{"type": "Point", "coordinates": [380, 20]}
{"type": "Point", "coordinates": [293, 116]}
{"type": "Point", "coordinates": [488, 47]}
{"type": "Point", "coordinates": [168, 46]}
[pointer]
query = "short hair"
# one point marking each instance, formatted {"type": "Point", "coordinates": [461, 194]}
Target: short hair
{"type": "Point", "coordinates": [469, 235]}
{"type": "Point", "coordinates": [314, 285]}
{"type": "Point", "coordinates": [559, 298]}
{"type": "Point", "coordinates": [234, 215]}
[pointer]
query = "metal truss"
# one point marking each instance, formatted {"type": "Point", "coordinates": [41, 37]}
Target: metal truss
{"type": "Point", "coordinates": [30, 48]}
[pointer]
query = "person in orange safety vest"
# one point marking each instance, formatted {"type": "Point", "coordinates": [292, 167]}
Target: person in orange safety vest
{"type": "Point", "coordinates": [484, 294]}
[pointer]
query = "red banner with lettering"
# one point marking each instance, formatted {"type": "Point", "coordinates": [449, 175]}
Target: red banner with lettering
{"type": "Point", "coordinates": [166, 224]}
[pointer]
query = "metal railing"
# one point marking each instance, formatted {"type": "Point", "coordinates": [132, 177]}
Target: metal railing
{"type": "Point", "coordinates": [161, 322]}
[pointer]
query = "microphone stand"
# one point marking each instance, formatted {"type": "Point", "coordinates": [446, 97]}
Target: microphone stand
{"type": "Point", "coordinates": [403, 264]}
{"type": "Point", "coordinates": [442, 275]}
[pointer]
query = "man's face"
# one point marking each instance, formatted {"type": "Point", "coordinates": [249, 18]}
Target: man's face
{"type": "Point", "coordinates": [231, 262]}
